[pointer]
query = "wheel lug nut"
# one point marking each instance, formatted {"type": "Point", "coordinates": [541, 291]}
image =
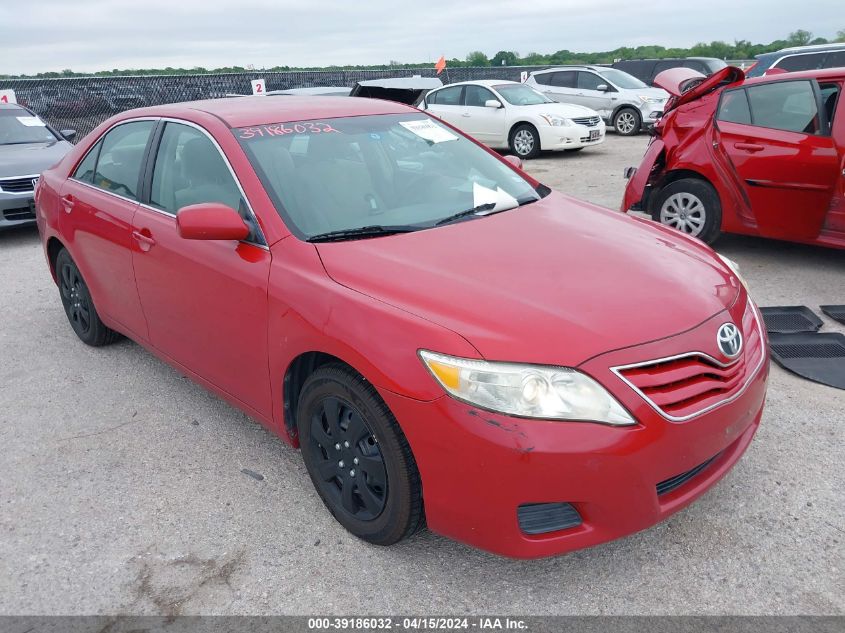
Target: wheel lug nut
{"type": "Point", "coordinates": [355, 461]}
{"type": "Point", "coordinates": [340, 464]}
{"type": "Point", "coordinates": [352, 473]}
{"type": "Point", "coordinates": [337, 447]}
{"type": "Point", "coordinates": [346, 444]}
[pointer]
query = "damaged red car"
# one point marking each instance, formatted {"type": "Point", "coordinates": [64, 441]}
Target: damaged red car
{"type": "Point", "coordinates": [762, 156]}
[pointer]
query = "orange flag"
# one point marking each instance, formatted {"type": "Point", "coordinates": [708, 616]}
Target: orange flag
{"type": "Point", "coordinates": [440, 66]}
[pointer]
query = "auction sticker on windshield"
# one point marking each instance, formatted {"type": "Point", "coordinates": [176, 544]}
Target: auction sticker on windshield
{"type": "Point", "coordinates": [428, 130]}
{"type": "Point", "coordinates": [31, 121]}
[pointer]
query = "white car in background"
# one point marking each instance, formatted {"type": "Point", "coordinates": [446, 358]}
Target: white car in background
{"type": "Point", "coordinates": [511, 115]}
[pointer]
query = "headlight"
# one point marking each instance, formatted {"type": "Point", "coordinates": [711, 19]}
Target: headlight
{"type": "Point", "coordinates": [557, 121]}
{"type": "Point", "coordinates": [735, 269]}
{"type": "Point", "coordinates": [646, 99]}
{"type": "Point", "coordinates": [529, 391]}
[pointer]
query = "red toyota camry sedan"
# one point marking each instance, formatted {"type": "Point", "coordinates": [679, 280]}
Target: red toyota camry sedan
{"type": "Point", "coordinates": [447, 340]}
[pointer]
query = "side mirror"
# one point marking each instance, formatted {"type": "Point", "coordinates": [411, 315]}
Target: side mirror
{"type": "Point", "coordinates": [68, 135]}
{"type": "Point", "coordinates": [603, 87]}
{"type": "Point", "coordinates": [492, 103]}
{"type": "Point", "coordinates": [210, 221]}
{"type": "Point", "coordinates": [516, 161]}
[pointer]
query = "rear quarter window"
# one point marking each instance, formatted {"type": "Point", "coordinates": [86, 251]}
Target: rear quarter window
{"type": "Point", "coordinates": [734, 107]}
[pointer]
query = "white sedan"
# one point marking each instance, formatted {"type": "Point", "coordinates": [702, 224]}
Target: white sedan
{"type": "Point", "coordinates": [507, 114]}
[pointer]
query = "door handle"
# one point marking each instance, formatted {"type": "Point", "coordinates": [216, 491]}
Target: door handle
{"type": "Point", "coordinates": [749, 147]}
{"type": "Point", "coordinates": [466, 114]}
{"type": "Point", "coordinates": [144, 239]}
{"type": "Point", "coordinates": [67, 203]}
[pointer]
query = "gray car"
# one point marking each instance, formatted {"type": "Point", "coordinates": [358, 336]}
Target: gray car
{"type": "Point", "coordinates": [622, 100]}
{"type": "Point", "coordinates": [28, 146]}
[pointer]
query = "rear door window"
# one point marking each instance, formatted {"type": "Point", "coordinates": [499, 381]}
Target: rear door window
{"type": "Point", "coordinates": [787, 105]}
{"type": "Point", "coordinates": [122, 152]}
{"type": "Point", "coordinates": [835, 60]}
{"type": "Point", "coordinates": [564, 79]}
{"type": "Point", "coordinates": [446, 96]}
{"type": "Point", "coordinates": [793, 63]}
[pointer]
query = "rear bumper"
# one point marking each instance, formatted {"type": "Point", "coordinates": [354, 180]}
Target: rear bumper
{"type": "Point", "coordinates": [479, 467]}
{"type": "Point", "coordinates": [16, 210]}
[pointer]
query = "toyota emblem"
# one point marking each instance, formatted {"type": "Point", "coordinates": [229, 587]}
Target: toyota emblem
{"type": "Point", "coordinates": [729, 340]}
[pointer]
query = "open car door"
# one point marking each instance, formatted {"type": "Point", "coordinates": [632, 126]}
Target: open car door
{"type": "Point", "coordinates": [776, 137]}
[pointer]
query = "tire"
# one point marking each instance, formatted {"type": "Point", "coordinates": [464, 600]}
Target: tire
{"type": "Point", "coordinates": [372, 486]}
{"type": "Point", "coordinates": [627, 122]}
{"type": "Point", "coordinates": [525, 141]}
{"type": "Point", "coordinates": [690, 205]}
{"type": "Point", "coordinates": [78, 304]}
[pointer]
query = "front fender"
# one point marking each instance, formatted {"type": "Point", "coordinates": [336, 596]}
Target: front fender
{"type": "Point", "coordinates": [635, 188]}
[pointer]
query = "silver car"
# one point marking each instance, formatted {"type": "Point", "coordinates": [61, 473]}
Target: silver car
{"type": "Point", "coordinates": [622, 100]}
{"type": "Point", "coordinates": [28, 146]}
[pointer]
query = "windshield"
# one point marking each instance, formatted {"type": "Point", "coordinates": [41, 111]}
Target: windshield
{"type": "Point", "coordinates": [621, 79]}
{"type": "Point", "coordinates": [519, 94]}
{"type": "Point", "coordinates": [18, 126]}
{"type": "Point", "coordinates": [396, 170]}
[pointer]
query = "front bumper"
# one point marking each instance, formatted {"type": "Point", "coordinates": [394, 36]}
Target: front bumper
{"type": "Point", "coordinates": [478, 467]}
{"type": "Point", "coordinates": [560, 137]}
{"type": "Point", "coordinates": [16, 209]}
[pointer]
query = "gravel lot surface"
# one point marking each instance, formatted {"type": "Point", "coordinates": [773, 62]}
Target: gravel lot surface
{"type": "Point", "coordinates": [122, 491]}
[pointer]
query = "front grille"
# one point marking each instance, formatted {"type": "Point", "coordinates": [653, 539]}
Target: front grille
{"type": "Point", "coordinates": [668, 485]}
{"type": "Point", "coordinates": [689, 384]}
{"type": "Point", "coordinates": [22, 213]}
{"type": "Point", "coordinates": [18, 185]}
{"type": "Point", "coordinates": [589, 121]}
{"type": "Point", "coordinates": [540, 518]}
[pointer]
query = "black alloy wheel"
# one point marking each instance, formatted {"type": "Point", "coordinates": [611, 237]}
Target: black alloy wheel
{"type": "Point", "coordinates": [78, 304]}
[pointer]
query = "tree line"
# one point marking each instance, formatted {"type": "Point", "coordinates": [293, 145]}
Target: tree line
{"type": "Point", "coordinates": [740, 49]}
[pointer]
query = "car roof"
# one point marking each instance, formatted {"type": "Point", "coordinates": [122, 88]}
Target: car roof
{"type": "Point", "coordinates": [824, 73]}
{"type": "Point", "coordinates": [247, 111]}
{"type": "Point", "coordinates": [815, 48]}
{"type": "Point", "coordinates": [12, 106]}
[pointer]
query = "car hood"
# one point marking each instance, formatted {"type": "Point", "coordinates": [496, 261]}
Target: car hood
{"type": "Point", "coordinates": [30, 158]}
{"type": "Point", "coordinates": [654, 93]}
{"type": "Point", "coordinates": [566, 110]}
{"type": "Point", "coordinates": [557, 281]}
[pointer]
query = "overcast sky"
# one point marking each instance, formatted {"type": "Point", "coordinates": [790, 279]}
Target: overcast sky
{"type": "Point", "coordinates": [89, 35]}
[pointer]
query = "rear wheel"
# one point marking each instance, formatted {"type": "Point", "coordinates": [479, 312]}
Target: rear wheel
{"type": "Point", "coordinates": [358, 457]}
{"type": "Point", "coordinates": [525, 141]}
{"type": "Point", "coordinates": [627, 122]}
{"type": "Point", "coordinates": [78, 304]}
{"type": "Point", "coordinates": [691, 206]}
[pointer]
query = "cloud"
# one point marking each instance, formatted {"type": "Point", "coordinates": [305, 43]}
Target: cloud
{"type": "Point", "coordinates": [89, 35]}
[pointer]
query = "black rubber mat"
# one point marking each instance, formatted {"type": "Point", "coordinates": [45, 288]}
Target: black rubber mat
{"type": "Point", "coordinates": [790, 319]}
{"type": "Point", "coordinates": [837, 313]}
{"type": "Point", "coordinates": [817, 357]}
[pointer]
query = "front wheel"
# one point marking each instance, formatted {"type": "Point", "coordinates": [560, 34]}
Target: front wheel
{"type": "Point", "coordinates": [627, 122]}
{"type": "Point", "coordinates": [357, 456]}
{"type": "Point", "coordinates": [525, 141]}
{"type": "Point", "coordinates": [691, 206]}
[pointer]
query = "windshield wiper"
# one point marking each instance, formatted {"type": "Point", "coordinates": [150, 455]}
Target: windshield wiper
{"type": "Point", "coordinates": [361, 232]}
{"type": "Point", "coordinates": [479, 210]}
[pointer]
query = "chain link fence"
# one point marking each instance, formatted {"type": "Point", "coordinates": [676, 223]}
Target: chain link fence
{"type": "Point", "coordinates": [82, 103]}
